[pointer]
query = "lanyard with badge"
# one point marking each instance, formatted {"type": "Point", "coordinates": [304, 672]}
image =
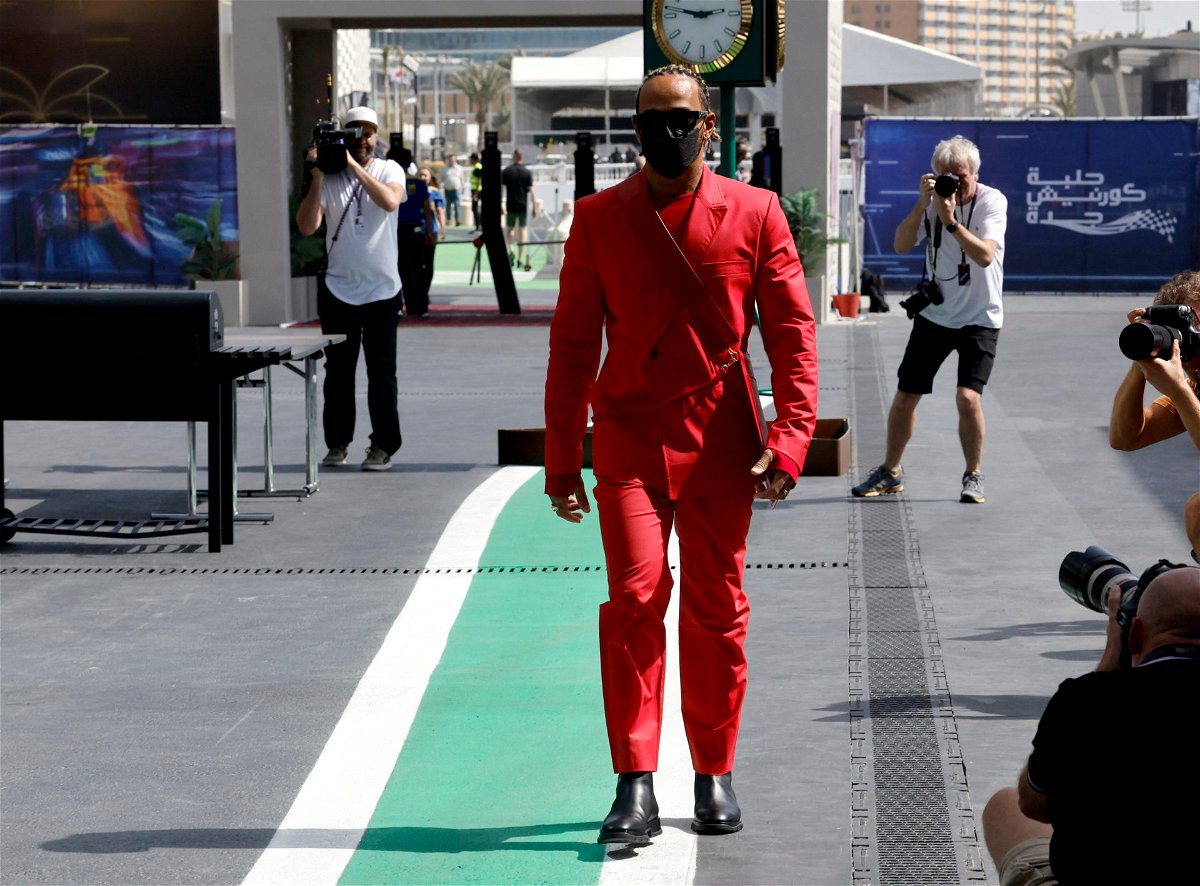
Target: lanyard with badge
{"type": "Point", "coordinates": [964, 268]}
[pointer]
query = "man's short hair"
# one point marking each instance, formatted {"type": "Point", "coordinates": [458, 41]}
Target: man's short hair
{"type": "Point", "coordinates": [1182, 289]}
{"type": "Point", "coordinates": [676, 71]}
{"type": "Point", "coordinates": [518, 155]}
{"type": "Point", "coordinates": [953, 151]}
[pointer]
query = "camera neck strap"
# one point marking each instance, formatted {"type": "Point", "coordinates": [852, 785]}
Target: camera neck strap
{"type": "Point", "coordinates": [1187, 651]}
{"type": "Point", "coordinates": [935, 239]}
{"type": "Point", "coordinates": [355, 198]}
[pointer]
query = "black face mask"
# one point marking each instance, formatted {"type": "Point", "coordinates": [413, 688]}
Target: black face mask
{"type": "Point", "coordinates": [670, 156]}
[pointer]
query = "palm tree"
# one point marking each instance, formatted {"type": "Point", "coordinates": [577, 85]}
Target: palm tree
{"type": "Point", "coordinates": [482, 85]}
{"type": "Point", "coordinates": [1064, 97]}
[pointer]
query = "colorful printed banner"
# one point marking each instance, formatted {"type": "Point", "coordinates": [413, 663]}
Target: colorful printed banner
{"type": "Point", "coordinates": [97, 204]}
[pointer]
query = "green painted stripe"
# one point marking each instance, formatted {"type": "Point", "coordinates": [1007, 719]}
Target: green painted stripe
{"type": "Point", "coordinates": [505, 774]}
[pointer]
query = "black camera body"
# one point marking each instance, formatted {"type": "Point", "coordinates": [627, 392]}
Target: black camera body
{"type": "Point", "coordinates": [332, 143]}
{"type": "Point", "coordinates": [946, 184]}
{"type": "Point", "coordinates": [927, 293]}
{"type": "Point", "coordinates": [1161, 325]}
{"type": "Point", "coordinates": [1089, 577]}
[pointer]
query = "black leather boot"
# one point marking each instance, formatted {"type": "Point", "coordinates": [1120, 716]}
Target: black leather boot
{"type": "Point", "coordinates": [717, 810]}
{"type": "Point", "coordinates": [633, 818]}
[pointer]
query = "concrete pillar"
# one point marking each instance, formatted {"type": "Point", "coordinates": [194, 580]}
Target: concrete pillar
{"type": "Point", "coordinates": [810, 131]}
{"type": "Point", "coordinates": [264, 170]}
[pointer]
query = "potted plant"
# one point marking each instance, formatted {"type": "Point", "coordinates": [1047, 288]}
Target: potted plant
{"type": "Point", "coordinates": [308, 250]}
{"type": "Point", "coordinates": [213, 261]}
{"type": "Point", "coordinates": [809, 225]}
{"type": "Point", "coordinates": [212, 258]}
{"type": "Point", "coordinates": [808, 222]}
{"type": "Point", "coordinates": [308, 255]}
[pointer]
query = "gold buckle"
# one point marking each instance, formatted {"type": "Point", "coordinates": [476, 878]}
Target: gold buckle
{"type": "Point", "coordinates": [732, 357]}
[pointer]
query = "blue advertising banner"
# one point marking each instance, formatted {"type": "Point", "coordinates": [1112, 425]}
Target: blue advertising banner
{"type": "Point", "coordinates": [1093, 205]}
{"type": "Point", "coordinates": [98, 204]}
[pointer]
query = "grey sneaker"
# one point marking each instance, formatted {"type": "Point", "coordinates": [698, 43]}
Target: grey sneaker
{"type": "Point", "coordinates": [337, 455]}
{"type": "Point", "coordinates": [880, 481]}
{"type": "Point", "coordinates": [377, 460]}
{"type": "Point", "coordinates": [972, 493]}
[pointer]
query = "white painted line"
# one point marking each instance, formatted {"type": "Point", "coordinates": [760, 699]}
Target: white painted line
{"type": "Point", "coordinates": [337, 800]}
{"type": "Point", "coordinates": [670, 859]}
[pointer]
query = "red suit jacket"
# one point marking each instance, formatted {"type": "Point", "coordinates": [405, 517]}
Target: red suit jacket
{"type": "Point", "coordinates": [657, 402]}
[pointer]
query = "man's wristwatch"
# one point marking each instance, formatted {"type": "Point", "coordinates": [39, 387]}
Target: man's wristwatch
{"type": "Point", "coordinates": [952, 227]}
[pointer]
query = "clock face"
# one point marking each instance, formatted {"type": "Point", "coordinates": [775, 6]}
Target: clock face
{"type": "Point", "coordinates": [706, 34]}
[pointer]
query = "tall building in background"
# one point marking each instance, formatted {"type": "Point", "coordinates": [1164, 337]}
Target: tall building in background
{"type": "Point", "coordinates": [1017, 43]}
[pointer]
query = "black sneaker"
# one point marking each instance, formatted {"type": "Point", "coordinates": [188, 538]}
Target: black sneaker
{"type": "Point", "coordinates": [972, 493]}
{"type": "Point", "coordinates": [879, 482]}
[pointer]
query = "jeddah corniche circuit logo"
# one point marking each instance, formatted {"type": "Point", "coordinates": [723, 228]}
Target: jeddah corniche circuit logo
{"type": "Point", "coordinates": [1079, 203]}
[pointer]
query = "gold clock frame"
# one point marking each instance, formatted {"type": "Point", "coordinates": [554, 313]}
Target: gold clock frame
{"type": "Point", "coordinates": [739, 41]}
{"type": "Point", "coordinates": [781, 6]}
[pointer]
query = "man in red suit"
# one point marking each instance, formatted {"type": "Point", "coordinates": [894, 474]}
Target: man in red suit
{"type": "Point", "coordinates": [670, 265]}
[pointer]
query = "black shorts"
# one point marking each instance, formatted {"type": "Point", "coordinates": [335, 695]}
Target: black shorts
{"type": "Point", "coordinates": [930, 344]}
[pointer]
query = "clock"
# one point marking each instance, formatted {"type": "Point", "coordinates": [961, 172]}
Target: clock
{"type": "Point", "coordinates": [704, 34]}
{"type": "Point", "coordinates": [780, 34]}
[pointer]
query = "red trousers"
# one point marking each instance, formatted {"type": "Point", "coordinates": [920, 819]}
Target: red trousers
{"type": "Point", "coordinates": [635, 525]}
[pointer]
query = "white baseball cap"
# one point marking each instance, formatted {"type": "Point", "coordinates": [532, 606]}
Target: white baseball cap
{"type": "Point", "coordinates": [360, 114]}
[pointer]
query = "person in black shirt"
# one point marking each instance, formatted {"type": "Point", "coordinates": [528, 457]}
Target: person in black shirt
{"type": "Point", "coordinates": [1109, 793]}
{"type": "Point", "coordinates": [519, 203]}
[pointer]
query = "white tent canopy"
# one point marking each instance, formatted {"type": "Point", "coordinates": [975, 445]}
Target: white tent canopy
{"type": "Point", "coordinates": [600, 82]}
{"type": "Point", "coordinates": [873, 59]}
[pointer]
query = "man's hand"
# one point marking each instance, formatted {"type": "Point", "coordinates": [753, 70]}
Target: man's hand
{"type": "Point", "coordinates": [310, 156]}
{"type": "Point", "coordinates": [1168, 376]}
{"type": "Point", "coordinates": [945, 207]}
{"type": "Point", "coordinates": [572, 507]}
{"type": "Point", "coordinates": [1110, 659]}
{"type": "Point", "coordinates": [927, 191]}
{"type": "Point", "coordinates": [908, 231]}
{"type": "Point", "coordinates": [773, 485]}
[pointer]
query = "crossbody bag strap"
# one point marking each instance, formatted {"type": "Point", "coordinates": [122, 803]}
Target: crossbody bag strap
{"type": "Point", "coordinates": [717, 335]}
{"type": "Point", "coordinates": [711, 324]}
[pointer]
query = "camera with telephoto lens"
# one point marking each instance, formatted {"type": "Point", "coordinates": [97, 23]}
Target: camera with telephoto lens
{"type": "Point", "coordinates": [331, 143]}
{"type": "Point", "coordinates": [1161, 325]}
{"type": "Point", "coordinates": [928, 292]}
{"type": "Point", "coordinates": [945, 184]}
{"type": "Point", "coordinates": [1089, 577]}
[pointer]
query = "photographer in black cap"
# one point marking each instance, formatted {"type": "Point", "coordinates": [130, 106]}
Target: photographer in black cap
{"type": "Point", "coordinates": [1109, 793]}
{"type": "Point", "coordinates": [957, 308]}
{"type": "Point", "coordinates": [358, 294]}
{"type": "Point", "coordinates": [1134, 426]}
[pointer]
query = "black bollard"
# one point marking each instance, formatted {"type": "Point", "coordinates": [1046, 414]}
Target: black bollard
{"type": "Point", "coordinates": [493, 228]}
{"type": "Point", "coordinates": [585, 165]}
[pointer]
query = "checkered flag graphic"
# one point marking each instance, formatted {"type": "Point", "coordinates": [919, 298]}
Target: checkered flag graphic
{"type": "Point", "coordinates": [1152, 219]}
{"type": "Point", "coordinates": [1148, 219]}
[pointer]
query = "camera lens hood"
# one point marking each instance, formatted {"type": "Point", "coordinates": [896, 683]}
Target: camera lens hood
{"type": "Point", "coordinates": [945, 184]}
{"type": "Point", "coordinates": [1141, 341]}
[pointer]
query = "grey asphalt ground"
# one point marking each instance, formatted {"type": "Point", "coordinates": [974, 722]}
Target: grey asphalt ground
{"type": "Point", "coordinates": [160, 706]}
